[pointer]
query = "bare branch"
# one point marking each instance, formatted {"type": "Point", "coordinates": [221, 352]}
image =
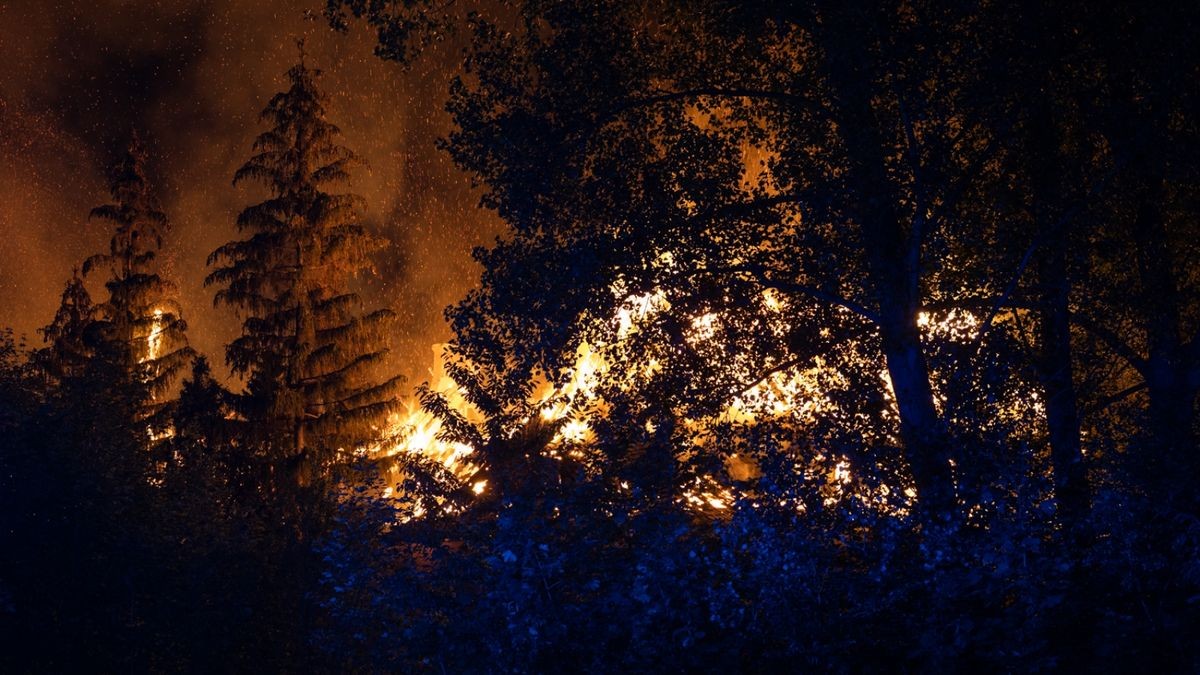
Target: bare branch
{"type": "Point", "coordinates": [1105, 402]}
{"type": "Point", "coordinates": [786, 365]}
{"type": "Point", "coordinates": [1114, 342]}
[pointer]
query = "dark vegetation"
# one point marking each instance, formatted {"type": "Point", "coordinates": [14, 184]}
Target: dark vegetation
{"type": "Point", "coordinates": [990, 206]}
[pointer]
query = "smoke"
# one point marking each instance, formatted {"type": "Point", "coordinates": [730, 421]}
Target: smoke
{"type": "Point", "coordinates": [191, 76]}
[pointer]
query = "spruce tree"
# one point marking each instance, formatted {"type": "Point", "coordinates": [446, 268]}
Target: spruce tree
{"type": "Point", "coordinates": [310, 353]}
{"type": "Point", "coordinates": [139, 329]}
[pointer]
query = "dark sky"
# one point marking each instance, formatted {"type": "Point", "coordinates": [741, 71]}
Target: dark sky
{"type": "Point", "coordinates": [191, 76]}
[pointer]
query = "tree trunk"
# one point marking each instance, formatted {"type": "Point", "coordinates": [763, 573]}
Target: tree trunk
{"type": "Point", "coordinates": [922, 431]}
{"type": "Point", "coordinates": [1062, 410]}
{"type": "Point", "coordinates": [893, 274]}
{"type": "Point", "coordinates": [1055, 356]}
{"type": "Point", "coordinates": [1168, 368]}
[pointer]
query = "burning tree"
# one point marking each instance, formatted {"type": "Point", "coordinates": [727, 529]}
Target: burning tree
{"type": "Point", "coordinates": [309, 351]}
{"type": "Point", "coordinates": [140, 328]}
{"type": "Point", "coordinates": [786, 214]}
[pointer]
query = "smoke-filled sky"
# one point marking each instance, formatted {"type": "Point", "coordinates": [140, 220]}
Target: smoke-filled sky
{"type": "Point", "coordinates": [76, 76]}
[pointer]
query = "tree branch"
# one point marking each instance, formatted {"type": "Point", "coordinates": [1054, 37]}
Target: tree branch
{"type": "Point", "coordinates": [1063, 221]}
{"type": "Point", "coordinates": [916, 234]}
{"type": "Point", "coordinates": [959, 187]}
{"type": "Point", "coordinates": [1113, 341]}
{"type": "Point", "coordinates": [714, 92]}
{"type": "Point", "coordinates": [760, 275]}
{"type": "Point", "coordinates": [747, 386]}
{"type": "Point", "coordinates": [608, 117]}
{"type": "Point", "coordinates": [1125, 393]}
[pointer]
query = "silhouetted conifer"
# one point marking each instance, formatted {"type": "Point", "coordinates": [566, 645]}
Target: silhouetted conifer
{"type": "Point", "coordinates": [66, 353]}
{"type": "Point", "coordinates": [309, 350]}
{"type": "Point", "coordinates": [140, 328]}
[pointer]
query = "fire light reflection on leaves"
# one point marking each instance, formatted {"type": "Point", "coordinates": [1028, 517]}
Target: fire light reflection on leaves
{"type": "Point", "coordinates": [798, 394]}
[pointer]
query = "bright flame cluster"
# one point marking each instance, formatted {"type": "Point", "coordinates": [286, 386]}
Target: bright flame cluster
{"type": "Point", "coordinates": [799, 393]}
{"type": "Point", "coordinates": [154, 341]}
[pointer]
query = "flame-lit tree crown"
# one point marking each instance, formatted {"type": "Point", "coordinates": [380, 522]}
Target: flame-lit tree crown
{"type": "Point", "coordinates": [309, 350]}
{"type": "Point", "coordinates": [788, 198]}
{"type": "Point", "coordinates": [140, 326]}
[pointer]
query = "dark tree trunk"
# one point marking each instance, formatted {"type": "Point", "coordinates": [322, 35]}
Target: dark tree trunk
{"type": "Point", "coordinates": [922, 431]}
{"type": "Point", "coordinates": [1168, 368]}
{"type": "Point", "coordinates": [1062, 409]}
{"type": "Point", "coordinates": [1055, 357]}
{"type": "Point", "coordinates": [893, 273]}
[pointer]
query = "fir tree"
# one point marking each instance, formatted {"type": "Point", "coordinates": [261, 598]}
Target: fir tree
{"type": "Point", "coordinates": [140, 328]}
{"type": "Point", "coordinates": [67, 350]}
{"type": "Point", "coordinates": [309, 351]}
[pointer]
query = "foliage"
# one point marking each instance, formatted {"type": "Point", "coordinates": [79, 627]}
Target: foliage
{"type": "Point", "coordinates": [140, 326]}
{"type": "Point", "coordinates": [833, 336]}
{"type": "Point", "coordinates": [117, 560]}
{"type": "Point", "coordinates": [67, 351]}
{"type": "Point", "coordinates": [309, 351]}
{"type": "Point", "coordinates": [715, 195]}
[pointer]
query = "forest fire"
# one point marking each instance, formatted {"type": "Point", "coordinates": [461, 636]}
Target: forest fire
{"type": "Point", "coordinates": [766, 336]}
{"type": "Point", "coordinates": [154, 340]}
{"type": "Point", "coordinates": [799, 394]}
{"type": "Point", "coordinates": [418, 429]}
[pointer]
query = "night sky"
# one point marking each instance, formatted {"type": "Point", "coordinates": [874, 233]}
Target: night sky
{"type": "Point", "coordinates": [191, 77]}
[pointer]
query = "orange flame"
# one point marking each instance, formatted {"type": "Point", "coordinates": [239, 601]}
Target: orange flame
{"type": "Point", "coordinates": [798, 393]}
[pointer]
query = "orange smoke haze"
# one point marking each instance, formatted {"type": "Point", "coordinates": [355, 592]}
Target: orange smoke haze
{"type": "Point", "coordinates": [191, 76]}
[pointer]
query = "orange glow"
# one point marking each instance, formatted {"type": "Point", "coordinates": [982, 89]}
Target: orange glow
{"type": "Point", "coordinates": [799, 393]}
